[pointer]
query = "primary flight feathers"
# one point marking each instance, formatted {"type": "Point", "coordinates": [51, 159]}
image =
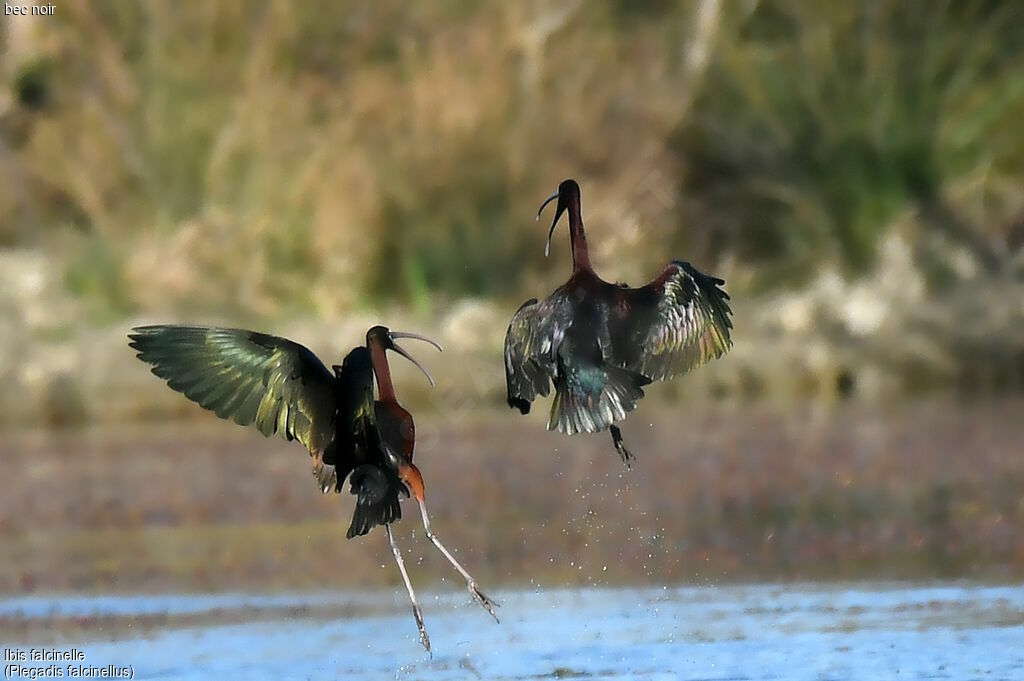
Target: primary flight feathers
{"type": "Point", "coordinates": [251, 378]}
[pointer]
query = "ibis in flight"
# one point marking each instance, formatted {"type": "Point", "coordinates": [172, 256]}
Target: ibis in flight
{"type": "Point", "coordinates": [281, 387]}
{"type": "Point", "coordinates": [600, 343]}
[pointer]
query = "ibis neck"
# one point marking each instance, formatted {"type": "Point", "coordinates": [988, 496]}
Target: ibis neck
{"type": "Point", "coordinates": [385, 388]}
{"type": "Point", "coordinates": [578, 238]}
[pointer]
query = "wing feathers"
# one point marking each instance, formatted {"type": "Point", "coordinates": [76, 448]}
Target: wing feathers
{"type": "Point", "coordinates": [529, 349]}
{"type": "Point", "coordinates": [248, 377]}
{"type": "Point", "coordinates": [681, 320]}
{"type": "Point", "coordinates": [377, 498]}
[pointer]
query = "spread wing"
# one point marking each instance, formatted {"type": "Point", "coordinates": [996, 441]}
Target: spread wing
{"type": "Point", "coordinates": [249, 377]}
{"type": "Point", "coordinates": [676, 323]}
{"type": "Point", "coordinates": [530, 343]}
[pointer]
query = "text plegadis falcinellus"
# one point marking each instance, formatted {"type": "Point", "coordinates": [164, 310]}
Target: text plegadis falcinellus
{"type": "Point", "coordinates": [600, 343]}
{"type": "Point", "coordinates": [282, 387]}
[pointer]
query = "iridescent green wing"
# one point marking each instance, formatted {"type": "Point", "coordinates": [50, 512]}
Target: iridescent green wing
{"type": "Point", "coordinates": [251, 378]}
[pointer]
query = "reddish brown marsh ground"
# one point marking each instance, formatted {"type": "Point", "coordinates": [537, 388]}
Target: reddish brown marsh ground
{"type": "Point", "coordinates": [719, 494]}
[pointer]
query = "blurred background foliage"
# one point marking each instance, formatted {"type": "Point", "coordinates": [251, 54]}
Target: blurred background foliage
{"type": "Point", "coordinates": [278, 156]}
{"type": "Point", "coordinates": [854, 170]}
{"type": "Point", "coordinates": [827, 122]}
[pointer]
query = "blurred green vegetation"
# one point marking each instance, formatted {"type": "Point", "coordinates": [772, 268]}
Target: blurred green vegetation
{"type": "Point", "coordinates": [826, 121]}
{"type": "Point", "coordinates": [264, 157]}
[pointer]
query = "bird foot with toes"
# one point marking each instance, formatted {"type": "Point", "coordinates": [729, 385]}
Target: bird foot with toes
{"type": "Point", "coordinates": [484, 600]}
{"type": "Point", "coordinates": [424, 638]}
{"type": "Point", "coordinates": [620, 447]}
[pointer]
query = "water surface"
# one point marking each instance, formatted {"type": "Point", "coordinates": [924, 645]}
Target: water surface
{"type": "Point", "coordinates": [951, 631]}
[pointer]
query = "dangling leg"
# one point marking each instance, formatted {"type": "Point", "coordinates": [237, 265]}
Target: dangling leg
{"type": "Point", "coordinates": [416, 612]}
{"type": "Point", "coordinates": [479, 595]}
{"type": "Point", "coordinates": [620, 446]}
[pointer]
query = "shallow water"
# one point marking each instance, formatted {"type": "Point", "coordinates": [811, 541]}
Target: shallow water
{"type": "Point", "coordinates": [748, 632]}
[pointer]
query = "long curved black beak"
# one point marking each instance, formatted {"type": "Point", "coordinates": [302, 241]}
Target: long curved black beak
{"type": "Point", "coordinates": [400, 350]}
{"type": "Point", "coordinates": [558, 214]}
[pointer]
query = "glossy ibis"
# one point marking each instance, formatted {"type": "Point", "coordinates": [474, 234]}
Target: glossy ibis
{"type": "Point", "coordinates": [282, 387]}
{"type": "Point", "coordinates": [397, 428]}
{"type": "Point", "coordinates": [600, 343]}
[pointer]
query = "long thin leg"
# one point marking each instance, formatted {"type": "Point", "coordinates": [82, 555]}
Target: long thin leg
{"type": "Point", "coordinates": [471, 584]}
{"type": "Point", "coordinates": [620, 446]}
{"type": "Point", "coordinates": [416, 612]}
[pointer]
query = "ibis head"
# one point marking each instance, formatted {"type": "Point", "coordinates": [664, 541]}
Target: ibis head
{"type": "Point", "coordinates": [567, 194]}
{"type": "Point", "coordinates": [384, 338]}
